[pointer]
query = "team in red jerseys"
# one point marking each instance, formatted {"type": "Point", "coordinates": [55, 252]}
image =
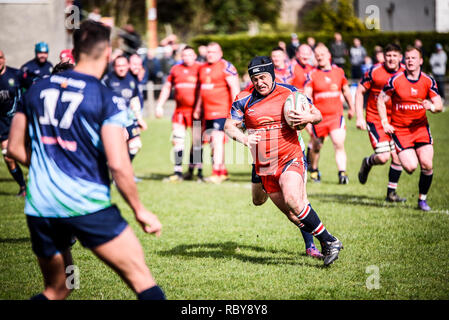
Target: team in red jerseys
{"type": "Point", "coordinates": [373, 82]}
{"type": "Point", "coordinates": [207, 90]}
{"type": "Point", "coordinates": [183, 78]}
{"type": "Point", "coordinates": [412, 94]}
{"type": "Point", "coordinates": [218, 86]}
{"type": "Point", "coordinates": [325, 86]}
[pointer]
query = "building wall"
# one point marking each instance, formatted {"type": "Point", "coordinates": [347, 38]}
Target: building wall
{"type": "Point", "coordinates": [23, 23]}
{"type": "Point", "coordinates": [401, 15]}
{"type": "Point", "coordinates": [442, 15]}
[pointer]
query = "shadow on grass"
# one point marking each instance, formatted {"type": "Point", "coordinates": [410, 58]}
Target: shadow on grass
{"type": "Point", "coordinates": [153, 176]}
{"type": "Point", "coordinates": [5, 193]}
{"type": "Point", "coordinates": [14, 240]}
{"type": "Point", "coordinates": [232, 250]}
{"type": "Point", "coordinates": [358, 200]}
{"type": "Point", "coordinates": [6, 179]}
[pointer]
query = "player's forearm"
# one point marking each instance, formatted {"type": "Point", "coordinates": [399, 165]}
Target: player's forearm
{"type": "Point", "coordinates": [198, 103]}
{"type": "Point", "coordinates": [124, 180]}
{"type": "Point", "coordinates": [348, 98]}
{"type": "Point", "coordinates": [120, 165]}
{"type": "Point", "coordinates": [18, 147]}
{"type": "Point", "coordinates": [164, 95]}
{"type": "Point", "coordinates": [233, 132]}
{"type": "Point", "coordinates": [359, 103]}
{"type": "Point", "coordinates": [381, 108]}
{"type": "Point", "coordinates": [234, 86]}
{"type": "Point", "coordinates": [136, 107]}
{"type": "Point", "coordinates": [316, 115]}
{"type": "Point", "coordinates": [437, 104]}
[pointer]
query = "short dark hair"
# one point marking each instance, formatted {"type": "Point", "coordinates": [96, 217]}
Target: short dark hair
{"type": "Point", "coordinates": [277, 49]}
{"type": "Point", "coordinates": [91, 39]}
{"type": "Point", "coordinates": [62, 66]}
{"type": "Point", "coordinates": [188, 48]}
{"type": "Point", "coordinates": [392, 47]}
{"type": "Point", "coordinates": [122, 56]}
{"type": "Point", "coordinates": [411, 48]}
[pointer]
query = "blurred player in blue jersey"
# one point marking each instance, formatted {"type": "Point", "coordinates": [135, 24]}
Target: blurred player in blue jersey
{"type": "Point", "coordinates": [123, 83]}
{"type": "Point", "coordinates": [138, 71]}
{"type": "Point", "coordinates": [9, 94]}
{"type": "Point", "coordinates": [37, 68]}
{"type": "Point", "coordinates": [75, 128]}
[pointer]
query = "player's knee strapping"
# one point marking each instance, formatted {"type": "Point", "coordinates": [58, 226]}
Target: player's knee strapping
{"type": "Point", "coordinates": [382, 147]}
{"type": "Point", "coordinates": [178, 140]}
{"type": "Point", "coordinates": [134, 146]}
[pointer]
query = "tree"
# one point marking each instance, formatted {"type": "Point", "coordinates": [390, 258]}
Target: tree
{"type": "Point", "coordinates": [192, 17]}
{"type": "Point", "coordinates": [333, 16]}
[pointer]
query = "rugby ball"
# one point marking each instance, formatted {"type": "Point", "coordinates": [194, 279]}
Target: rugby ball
{"type": "Point", "coordinates": [299, 102]}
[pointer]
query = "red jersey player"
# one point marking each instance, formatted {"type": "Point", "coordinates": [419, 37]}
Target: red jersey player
{"type": "Point", "coordinates": [325, 85]}
{"type": "Point", "coordinates": [282, 67]}
{"type": "Point", "coordinates": [219, 84]}
{"type": "Point", "coordinates": [412, 93]}
{"type": "Point", "coordinates": [301, 68]}
{"type": "Point", "coordinates": [183, 78]}
{"type": "Point", "coordinates": [276, 150]}
{"type": "Point", "coordinates": [373, 82]}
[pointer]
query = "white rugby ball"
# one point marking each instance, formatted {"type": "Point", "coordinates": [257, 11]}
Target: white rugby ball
{"type": "Point", "coordinates": [298, 102]}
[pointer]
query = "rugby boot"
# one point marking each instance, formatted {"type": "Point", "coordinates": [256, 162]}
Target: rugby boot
{"type": "Point", "coordinates": [215, 179]}
{"type": "Point", "coordinates": [364, 171]}
{"type": "Point", "coordinates": [177, 177]}
{"type": "Point", "coordinates": [314, 252]}
{"type": "Point", "coordinates": [343, 178]}
{"type": "Point", "coordinates": [315, 176]}
{"type": "Point", "coordinates": [394, 197]}
{"type": "Point", "coordinates": [422, 205]}
{"type": "Point", "coordinates": [330, 250]}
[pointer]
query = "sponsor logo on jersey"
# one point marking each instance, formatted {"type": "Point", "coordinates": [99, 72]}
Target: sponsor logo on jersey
{"type": "Point", "coordinates": [264, 120]}
{"type": "Point", "coordinates": [411, 107]}
{"type": "Point", "coordinates": [207, 86]}
{"type": "Point", "coordinates": [126, 93]}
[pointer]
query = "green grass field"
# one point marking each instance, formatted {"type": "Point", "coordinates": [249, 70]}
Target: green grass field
{"type": "Point", "coordinates": [216, 245]}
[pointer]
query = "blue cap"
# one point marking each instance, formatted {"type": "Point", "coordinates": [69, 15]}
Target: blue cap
{"type": "Point", "coordinates": [439, 46]}
{"type": "Point", "coordinates": [41, 47]}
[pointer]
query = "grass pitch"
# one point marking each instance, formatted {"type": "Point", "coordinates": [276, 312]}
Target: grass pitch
{"type": "Point", "coordinates": [216, 245]}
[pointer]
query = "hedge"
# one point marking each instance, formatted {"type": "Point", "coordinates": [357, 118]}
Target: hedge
{"type": "Point", "coordinates": [241, 48]}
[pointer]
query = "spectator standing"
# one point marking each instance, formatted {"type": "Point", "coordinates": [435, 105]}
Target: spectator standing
{"type": "Point", "coordinates": [202, 52]}
{"type": "Point", "coordinates": [438, 62]}
{"type": "Point", "coordinates": [339, 51]}
{"type": "Point", "coordinates": [311, 42]}
{"type": "Point", "coordinates": [357, 54]}
{"type": "Point", "coordinates": [95, 14]}
{"type": "Point", "coordinates": [367, 64]}
{"type": "Point", "coordinates": [291, 48]}
{"type": "Point", "coordinates": [378, 56]}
